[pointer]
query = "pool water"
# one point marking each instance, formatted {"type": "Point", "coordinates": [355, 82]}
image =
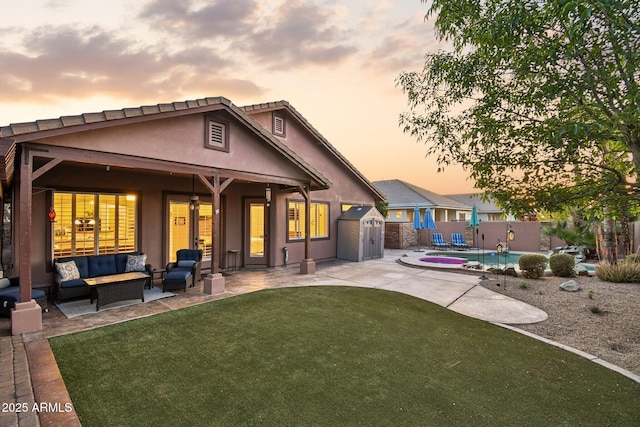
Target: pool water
{"type": "Point", "coordinates": [489, 258]}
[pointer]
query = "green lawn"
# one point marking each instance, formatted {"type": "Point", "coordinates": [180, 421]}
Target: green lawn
{"type": "Point", "coordinates": [332, 356]}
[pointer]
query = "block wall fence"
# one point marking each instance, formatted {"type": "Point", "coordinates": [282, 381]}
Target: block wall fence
{"type": "Point", "coordinates": [529, 236]}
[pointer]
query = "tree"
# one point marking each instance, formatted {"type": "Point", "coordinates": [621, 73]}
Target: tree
{"type": "Point", "coordinates": [539, 100]}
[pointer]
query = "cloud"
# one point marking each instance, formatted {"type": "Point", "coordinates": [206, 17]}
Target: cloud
{"type": "Point", "coordinates": [279, 36]}
{"type": "Point", "coordinates": [223, 18]}
{"type": "Point", "coordinates": [56, 62]}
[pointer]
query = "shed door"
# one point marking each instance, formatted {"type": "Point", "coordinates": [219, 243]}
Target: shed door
{"type": "Point", "coordinates": [372, 232]}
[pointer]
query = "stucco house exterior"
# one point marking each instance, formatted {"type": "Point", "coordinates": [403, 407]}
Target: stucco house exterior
{"type": "Point", "coordinates": [242, 184]}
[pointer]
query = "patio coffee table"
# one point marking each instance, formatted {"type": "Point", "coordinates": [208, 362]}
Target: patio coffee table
{"type": "Point", "coordinates": [117, 287]}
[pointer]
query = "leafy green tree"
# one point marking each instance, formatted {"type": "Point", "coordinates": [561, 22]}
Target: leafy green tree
{"type": "Point", "coordinates": [539, 100]}
{"type": "Point", "coordinates": [383, 207]}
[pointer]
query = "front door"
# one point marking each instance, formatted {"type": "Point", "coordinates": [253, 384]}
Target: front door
{"type": "Point", "coordinates": [190, 228]}
{"type": "Point", "coordinates": [256, 237]}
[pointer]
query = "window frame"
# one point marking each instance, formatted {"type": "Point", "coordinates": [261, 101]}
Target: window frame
{"type": "Point", "coordinates": [301, 206]}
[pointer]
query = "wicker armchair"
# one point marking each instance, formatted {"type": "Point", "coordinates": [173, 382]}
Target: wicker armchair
{"type": "Point", "coordinates": [184, 272]}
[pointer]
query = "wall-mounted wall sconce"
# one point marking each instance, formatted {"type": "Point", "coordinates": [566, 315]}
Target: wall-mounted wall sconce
{"type": "Point", "coordinates": [52, 214]}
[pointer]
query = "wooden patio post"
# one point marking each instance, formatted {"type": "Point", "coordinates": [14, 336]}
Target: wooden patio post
{"type": "Point", "coordinates": [214, 282]}
{"type": "Point", "coordinates": [27, 314]}
{"type": "Point", "coordinates": [307, 265]}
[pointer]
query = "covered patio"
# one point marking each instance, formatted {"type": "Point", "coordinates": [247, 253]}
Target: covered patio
{"type": "Point", "coordinates": [200, 174]}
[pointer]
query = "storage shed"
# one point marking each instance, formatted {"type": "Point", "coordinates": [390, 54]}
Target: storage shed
{"type": "Point", "coordinates": [360, 234]}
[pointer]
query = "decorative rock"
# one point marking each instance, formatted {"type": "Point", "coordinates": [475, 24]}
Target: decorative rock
{"type": "Point", "coordinates": [570, 286]}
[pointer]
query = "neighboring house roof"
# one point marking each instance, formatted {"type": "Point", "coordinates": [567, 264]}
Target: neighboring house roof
{"type": "Point", "coordinates": [401, 194]}
{"type": "Point", "coordinates": [20, 132]}
{"type": "Point", "coordinates": [284, 105]}
{"type": "Point", "coordinates": [476, 199]}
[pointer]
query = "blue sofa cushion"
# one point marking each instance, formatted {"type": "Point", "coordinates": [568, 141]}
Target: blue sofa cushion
{"type": "Point", "coordinates": [178, 274]}
{"type": "Point", "coordinates": [13, 292]}
{"type": "Point", "coordinates": [73, 283]}
{"type": "Point", "coordinates": [102, 265]}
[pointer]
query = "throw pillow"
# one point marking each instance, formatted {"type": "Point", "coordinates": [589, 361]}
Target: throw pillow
{"type": "Point", "coordinates": [135, 263]}
{"type": "Point", "coordinates": [68, 270]}
{"type": "Point", "coordinates": [4, 283]}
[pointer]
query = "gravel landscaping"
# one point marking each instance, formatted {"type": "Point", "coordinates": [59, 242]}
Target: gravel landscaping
{"type": "Point", "coordinates": [602, 318]}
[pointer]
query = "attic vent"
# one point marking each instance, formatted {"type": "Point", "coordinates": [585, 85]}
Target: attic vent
{"type": "Point", "coordinates": [217, 137]}
{"type": "Point", "coordinates": [216, 133]}
{"type": "Point", "coordinates": [278, 125]}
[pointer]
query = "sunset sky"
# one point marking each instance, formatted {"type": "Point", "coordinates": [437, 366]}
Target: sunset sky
{"type": "Point", "coordinates": [336, 62]}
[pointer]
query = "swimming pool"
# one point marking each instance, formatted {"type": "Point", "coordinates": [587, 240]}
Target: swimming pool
{"type": "Point", "coordinates": [489, 258]}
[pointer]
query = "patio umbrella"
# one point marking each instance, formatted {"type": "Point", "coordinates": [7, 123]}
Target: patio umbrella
{"type": "Point", "coordinates": [428, 223]}
{"type": "Point", "coordinates": [475, 221]}
{"type": "Point", "coordinates": [416, 222]}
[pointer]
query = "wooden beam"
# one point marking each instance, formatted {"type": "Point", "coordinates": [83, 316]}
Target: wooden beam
{"type": "Point", "coordinates": [125, 161]}
{"type": "Point", "coordinates": [225, 184]}
{"type": "Point", "coordinates": [46, 168]}
{"type": "Point", "coordinates": [206, 183]}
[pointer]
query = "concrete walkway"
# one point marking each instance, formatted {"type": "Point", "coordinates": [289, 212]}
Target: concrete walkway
{"type": "Point", "coordinates": [29, 373]}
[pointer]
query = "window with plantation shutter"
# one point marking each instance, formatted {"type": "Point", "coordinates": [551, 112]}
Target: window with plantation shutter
{"type": "Point", "coordinates": [296, 221]}
{"type": "Point", "coordinates": [92, 223]}
{"type": "Point", "coordinates": [217, 135]}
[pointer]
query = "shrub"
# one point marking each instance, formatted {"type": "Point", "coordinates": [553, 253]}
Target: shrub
{"type": "Point", "coordinates": [563, 265]}
{"type": "Point", "coordinates": [594, 309]}
{"type": "Point", "coordinates": [622, 272]}
{"type": "Point", "coordinates": [532, 265]}
{"type": "Point", "coordinates": [632, 258]}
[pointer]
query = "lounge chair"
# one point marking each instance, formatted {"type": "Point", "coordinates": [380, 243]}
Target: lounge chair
{"type": "Point", "coordinates": [438, 241]}
{"type": "Point", "coordinates": [458, 241]}
{"type": "Point", "coordinates": [184, 272]}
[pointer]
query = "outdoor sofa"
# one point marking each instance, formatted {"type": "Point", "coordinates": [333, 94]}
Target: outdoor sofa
{"type": "Point", "coordinates": [69, 281]}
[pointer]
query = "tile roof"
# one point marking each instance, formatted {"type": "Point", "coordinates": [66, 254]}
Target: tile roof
{"type": "Point", "coordinates": [18, 132]}
{"type": "Point", "coordinates": [17, 129]}
{"type": "Point", "coordinates": [402, 194]}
